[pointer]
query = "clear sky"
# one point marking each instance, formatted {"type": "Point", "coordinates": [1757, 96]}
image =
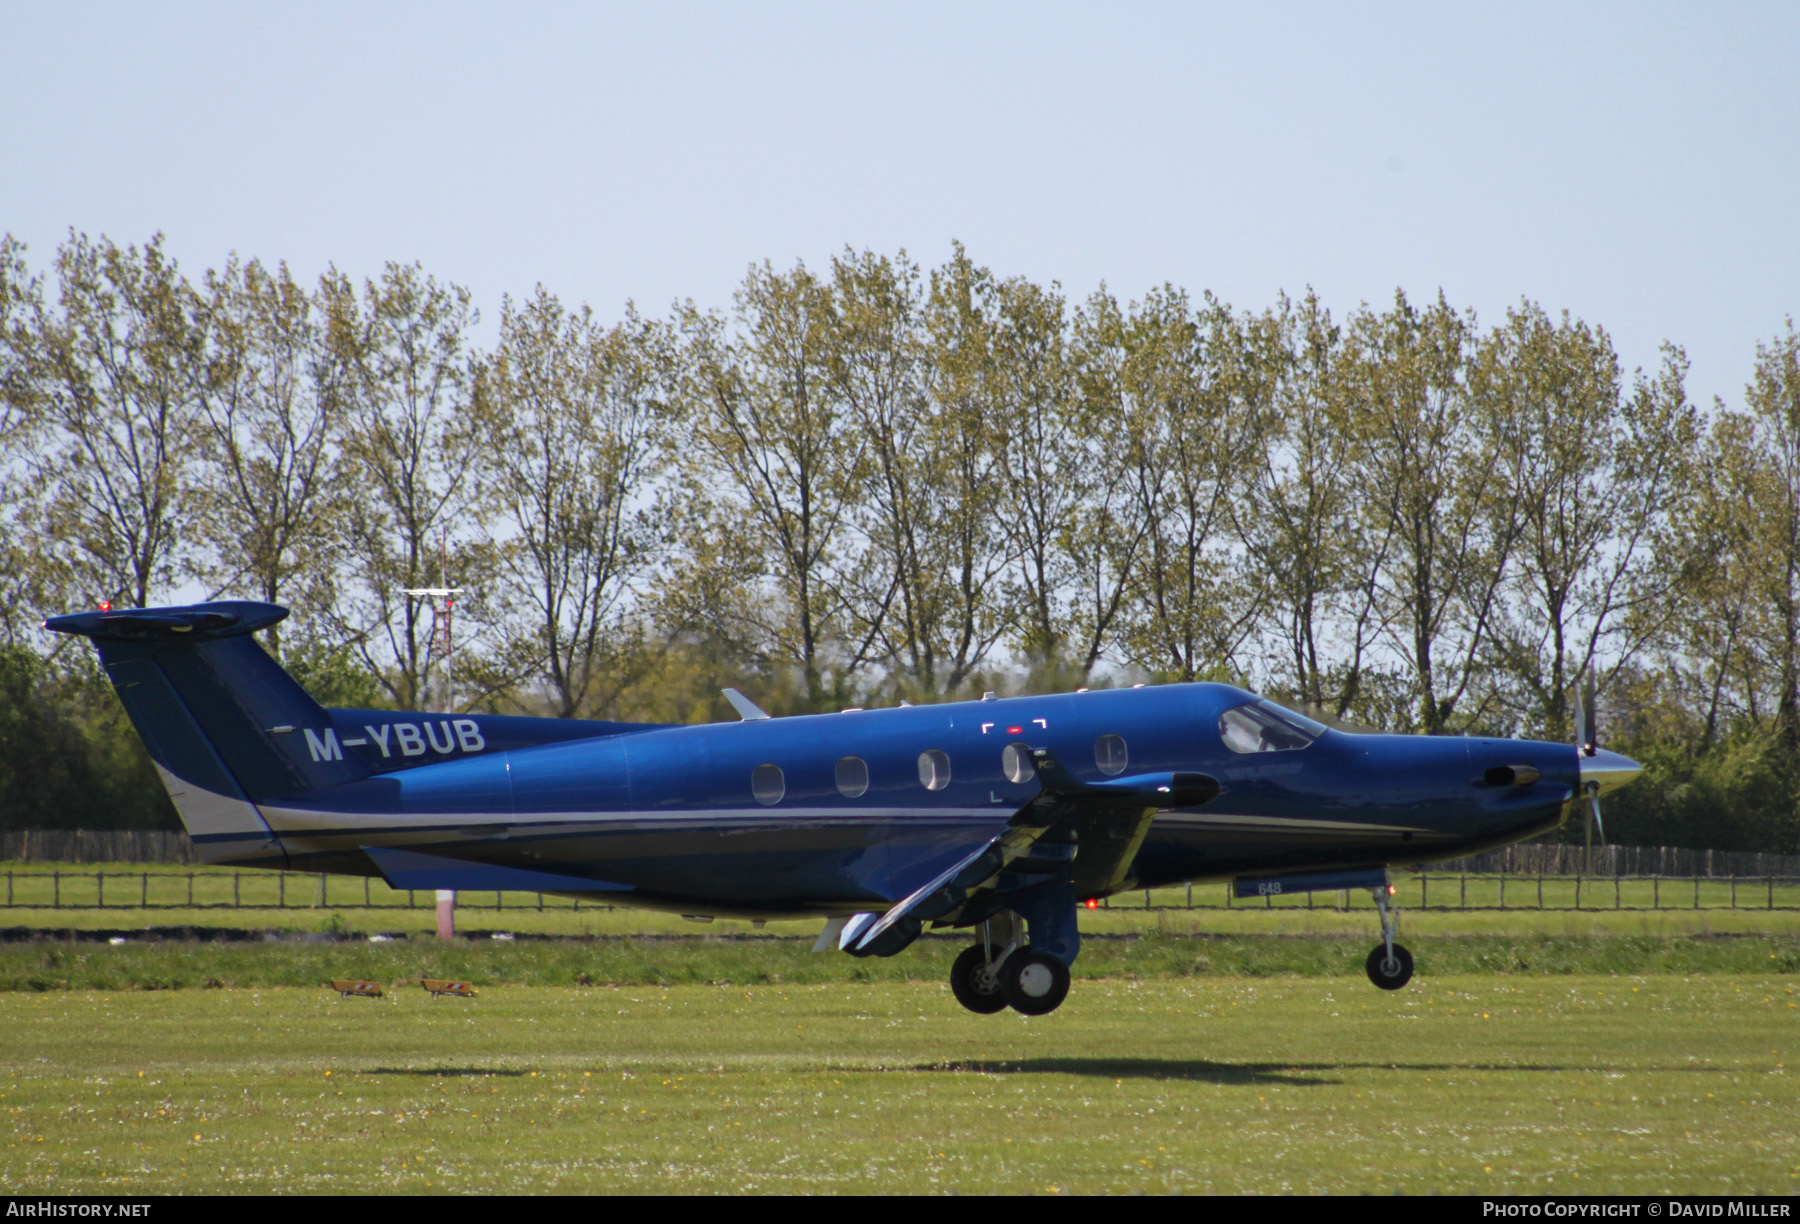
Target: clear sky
{"type": "Point", "coordinates": [1634, 163]}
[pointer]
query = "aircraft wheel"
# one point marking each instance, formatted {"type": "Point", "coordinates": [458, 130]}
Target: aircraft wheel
{"type": "Point", "coordinates": [974, 987]}
{"type": "Point", "coordinates": [1035, 983]}
{"type": "Point", "coordinates": [1390, 975]}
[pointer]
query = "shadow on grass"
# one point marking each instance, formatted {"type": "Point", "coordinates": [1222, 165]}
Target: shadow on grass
{"type": "Point", "coordinates": [1202, 1070]}
{"type": "Point", "coordinates": [443, 1072]}
{"type": "Point", "coordinates": [1198, 1070]}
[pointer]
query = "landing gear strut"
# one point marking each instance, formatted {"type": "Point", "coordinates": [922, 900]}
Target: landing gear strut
{"type": "Point", "coordinates": [1390, 966]}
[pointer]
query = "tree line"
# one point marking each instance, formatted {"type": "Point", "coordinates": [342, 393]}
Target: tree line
{"type": "Point", "coordinates": [875, 482]}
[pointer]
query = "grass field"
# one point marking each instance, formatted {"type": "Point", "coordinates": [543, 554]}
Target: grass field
{"type": "Point", "coordinates": [1536, 1084]}
{"type": "Point", "coordinates": [1211, 1049]}
{"type": "Point", "coordinates": [40, 965]}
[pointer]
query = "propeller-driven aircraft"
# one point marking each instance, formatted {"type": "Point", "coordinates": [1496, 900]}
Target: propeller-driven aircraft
{"type": "Point", "coordinates": [999, 816]}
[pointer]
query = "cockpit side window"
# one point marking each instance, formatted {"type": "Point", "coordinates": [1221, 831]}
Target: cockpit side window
{"type": "Point", "coordinates": [1266, 727]}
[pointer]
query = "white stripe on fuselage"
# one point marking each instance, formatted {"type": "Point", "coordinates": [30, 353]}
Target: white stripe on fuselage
{"type": "Point", "coordinates": [316, 822]}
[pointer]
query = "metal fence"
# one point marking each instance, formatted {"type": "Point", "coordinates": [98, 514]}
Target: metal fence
{"type": "Point", "coordinates": [219, 888]}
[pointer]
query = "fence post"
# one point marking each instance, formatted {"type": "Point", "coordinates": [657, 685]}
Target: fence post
{"type": "Point", "coordinates": [1424, 889]}
{"type": "Point", "coordinates": [100, 889]}
{"type": "Point", "coordinates": [1771, 892]}
{"type": "Point", "coordinates": [1616, 880]}
{"type": "Point", "coordinates": [9, 889]}
{"type": "Point", "coordinates": [190, 890]}
{"type": "Point", "coordinates": [1540, 890]}
{"type": "Point", "coordinates": [540, 903]}
{"type": "Point", "coordinates": [144, 896]}
{"type": "Point", "coordinates": [365, 892]}
{"type": "Point", "coordinates": [1502, 890]}
{"type": "Point", "coordinates": [1465, 890]}
{"type": "Point", "coordinates": [1734, 890]}
{"type": "Point", "coordinates": [1190, 900]}
{"type": "Point", "coordinates": [56, 890]}
{"type": "Point", "coordinates": [281, 890]}
{"type": "Point", "coordinates": [1696, 892]}
{"type": "Point", "coordinates": [1577, 890]}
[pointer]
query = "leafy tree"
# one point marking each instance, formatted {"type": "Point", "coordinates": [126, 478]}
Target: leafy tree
{"type": "Point", "coordinates": [118, 375]}
{"type": "Point", "coordinates": [20, 566]}
{"type": "Point", "coordinates": [413, 435]}
{"type": "Point", "coordinates": [1046, 484]}
{"type": "Point", "coordinates": [276, 484]}
{"type": "Point", "coordinates": [579, 444]}
{"type": "Point", "coordinates": [1424, 457]}
{"type": "Point", "coordinates": [1313, 564]}
{"type": "Point", "coordinates": [1591, 476]}
{"type": "Point", "coordinates": [1167, 392]}
{"type": "Point", "coordinates": [773, 462]}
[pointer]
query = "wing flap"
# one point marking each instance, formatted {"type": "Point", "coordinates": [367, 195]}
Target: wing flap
{"type": "Point", "coordinates": [1084, 832]}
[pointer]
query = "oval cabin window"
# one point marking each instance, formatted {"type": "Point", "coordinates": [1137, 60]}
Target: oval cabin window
{"type": "Point", "coordinates": [934, 769]}
{"type": "Point", "coordinates": [852, 776]}
{"type": "Point", "coordinates": [1109, 754]}
{"type": "Point", "coordinates": [767, 784]}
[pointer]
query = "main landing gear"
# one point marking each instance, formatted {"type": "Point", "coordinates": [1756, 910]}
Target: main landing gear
{"type": "Point", "coordinates": [1002, 971]}
{"type": "Point", "coordinates": [1390, 966]}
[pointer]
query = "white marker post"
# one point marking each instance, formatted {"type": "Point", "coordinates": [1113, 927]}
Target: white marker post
{"type": "Point", "coordinates": [440, 636]}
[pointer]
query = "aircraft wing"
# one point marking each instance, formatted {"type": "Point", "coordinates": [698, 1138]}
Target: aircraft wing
{"type": "Point", "coordinates": [1084, 832]}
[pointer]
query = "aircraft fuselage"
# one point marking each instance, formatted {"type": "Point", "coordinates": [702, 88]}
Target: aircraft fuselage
{"type": "Point", "coordinates": [840, 813]}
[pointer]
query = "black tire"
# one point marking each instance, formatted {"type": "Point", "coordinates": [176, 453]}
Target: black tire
{"type": "Point", "coordinates": [1035, 983]}
{"type": "Point", "coordinates": [974, 987]}
{"type": "Point", "coordinates": [1390, 976]}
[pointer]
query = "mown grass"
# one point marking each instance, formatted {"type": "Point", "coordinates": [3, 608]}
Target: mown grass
{"type": "Point", "coordinates": [1531, 1084]}
{"type": "Point", "coordinates": [62, 965]}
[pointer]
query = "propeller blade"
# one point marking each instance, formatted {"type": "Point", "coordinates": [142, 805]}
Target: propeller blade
{"type": "Point", "coordinates": [1587, 736]}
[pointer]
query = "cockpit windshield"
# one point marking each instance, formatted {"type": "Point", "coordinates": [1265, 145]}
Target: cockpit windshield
{"type": "Point", "coordinates": [1264, 726]}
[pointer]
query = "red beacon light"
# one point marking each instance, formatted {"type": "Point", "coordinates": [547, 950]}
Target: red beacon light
{"type": "Point", "coordinates": [106, 605]}
{"type": "Point", "coordinates": [1093, 903]}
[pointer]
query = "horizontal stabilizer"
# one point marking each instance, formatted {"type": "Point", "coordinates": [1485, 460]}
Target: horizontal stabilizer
{"type": "Point", "coordinates": [195, 623]}
{"type": "Point", "coordinates": [408, 869]}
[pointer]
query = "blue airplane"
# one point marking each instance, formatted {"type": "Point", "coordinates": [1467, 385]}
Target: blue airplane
{"type": "Point", "coordinates": [1004, 817]}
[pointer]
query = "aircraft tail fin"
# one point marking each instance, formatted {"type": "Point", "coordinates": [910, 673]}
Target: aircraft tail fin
{"type": "Point", "coordinates": [225, 725]}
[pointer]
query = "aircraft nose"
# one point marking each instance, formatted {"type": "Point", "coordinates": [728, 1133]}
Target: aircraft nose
{"type": "Point", "coordinates": [1610, 769]}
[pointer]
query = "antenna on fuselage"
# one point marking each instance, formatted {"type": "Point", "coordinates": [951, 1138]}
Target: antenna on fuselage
{"type": "Point", "coordinates": [747, 710]}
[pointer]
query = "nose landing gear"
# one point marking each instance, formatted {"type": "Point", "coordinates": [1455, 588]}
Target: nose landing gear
{"type": "Point", "coordinates": [1390, 966]}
